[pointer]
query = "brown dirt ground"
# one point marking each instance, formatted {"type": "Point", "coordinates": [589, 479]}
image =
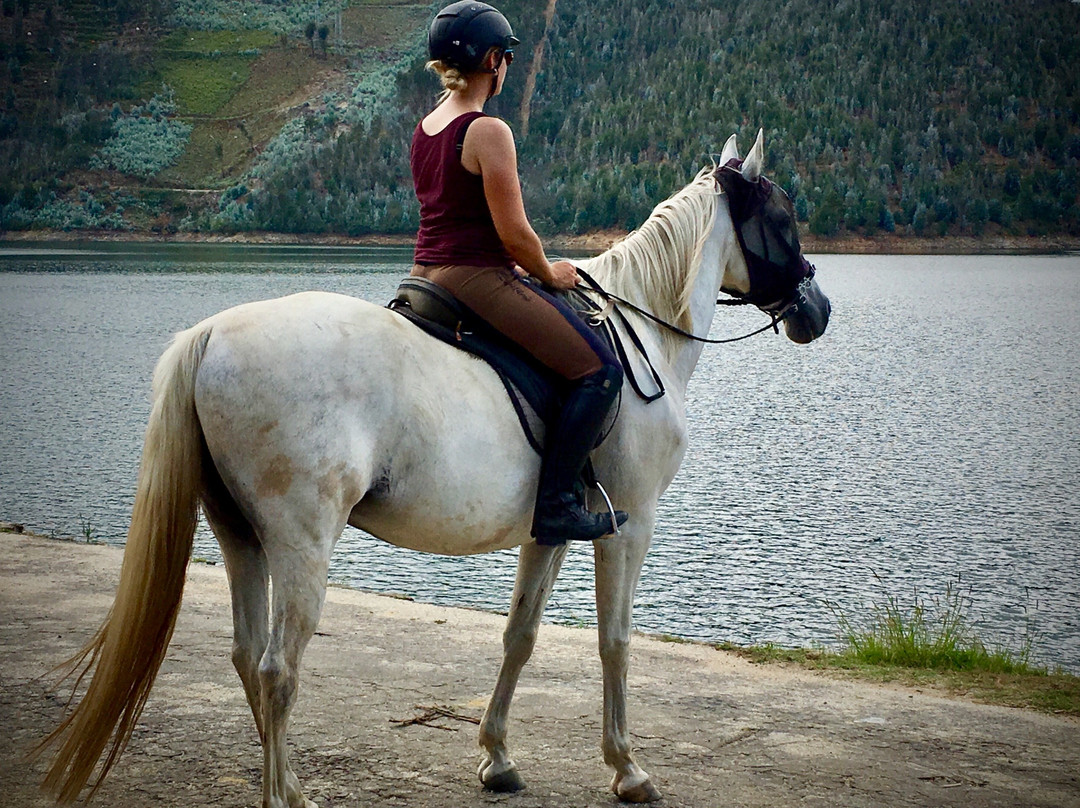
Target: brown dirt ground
{"type": "Point", "coordinates": [711, 728]}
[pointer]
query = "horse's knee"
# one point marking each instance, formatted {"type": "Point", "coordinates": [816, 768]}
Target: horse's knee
{"type": "Point", "coordinates": [614, 650]}
{"type": "Point", "coordinates": [519, 642]}
{"type": "Point", "coordinates": [277, 680]}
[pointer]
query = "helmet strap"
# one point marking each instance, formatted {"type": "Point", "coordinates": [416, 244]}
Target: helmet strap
{"type": "Point", "coordinates": [494, 71]}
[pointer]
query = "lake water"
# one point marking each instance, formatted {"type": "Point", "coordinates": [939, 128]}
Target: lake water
{"type": "Point", "coordinates": [928, 443]}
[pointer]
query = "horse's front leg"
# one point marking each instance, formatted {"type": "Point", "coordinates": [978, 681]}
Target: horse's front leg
{"type": "Point", "coordinates": [537, 568]}
{"type": "Point", "coordinates": [618, 568]}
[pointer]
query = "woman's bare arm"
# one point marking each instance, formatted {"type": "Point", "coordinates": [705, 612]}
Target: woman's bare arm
{"type": "Point", "coordinates": [489, 150]}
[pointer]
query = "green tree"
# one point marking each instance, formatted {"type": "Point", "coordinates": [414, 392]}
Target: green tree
{"type": "Point", "coordinates": [828, 216]}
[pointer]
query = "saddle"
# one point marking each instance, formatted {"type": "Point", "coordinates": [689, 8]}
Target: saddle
{"type": "Point", "coordinates": [536, 392]}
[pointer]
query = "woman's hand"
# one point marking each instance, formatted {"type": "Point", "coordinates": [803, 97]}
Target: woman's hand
{"type": "Point", "coordinates": [563, 275]}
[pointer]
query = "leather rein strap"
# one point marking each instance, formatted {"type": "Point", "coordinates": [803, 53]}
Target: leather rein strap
{"type": "Point", "coordinates": [601, 317]}
{"type": "Point", "coordinates": [776, 317]}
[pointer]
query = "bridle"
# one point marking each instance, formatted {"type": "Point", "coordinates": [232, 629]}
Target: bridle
{"type": "Point", "coordinates": [777, 315]}
{"type": "Point", "coordinates": [777, 289]}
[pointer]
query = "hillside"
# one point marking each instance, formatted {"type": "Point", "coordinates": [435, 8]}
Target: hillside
{"type": "Point", "coordinates": [123, 114]}
{"type": "Point", "coordinates": [917, 121]}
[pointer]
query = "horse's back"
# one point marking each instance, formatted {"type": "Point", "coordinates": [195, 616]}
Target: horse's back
{"type": "Point", "coordinates": [333, 408]}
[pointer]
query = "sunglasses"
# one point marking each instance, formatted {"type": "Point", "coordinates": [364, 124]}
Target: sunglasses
{"type": "Point", "coordinates": [508, 56]}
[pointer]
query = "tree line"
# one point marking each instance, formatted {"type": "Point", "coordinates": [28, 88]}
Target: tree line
{"type": "Point", "coordinates": [939, 118]}
{"type": "Point", "coordinates": [947, 118]}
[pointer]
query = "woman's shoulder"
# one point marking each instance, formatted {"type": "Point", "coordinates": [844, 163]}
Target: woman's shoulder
{"type": "Point", "coordinates": [488, 142]}
{"type": "Point", "coordinates": [492, 120]}
{"type": "Point", "coordinates": [490, 128]}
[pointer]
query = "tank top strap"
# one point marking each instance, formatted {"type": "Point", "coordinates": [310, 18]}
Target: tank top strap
{"type": "Point", "coordinates": [460, 128]}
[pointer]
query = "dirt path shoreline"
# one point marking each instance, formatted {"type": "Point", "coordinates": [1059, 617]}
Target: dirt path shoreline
{"type": "Point", "coordinates": [711, 728]}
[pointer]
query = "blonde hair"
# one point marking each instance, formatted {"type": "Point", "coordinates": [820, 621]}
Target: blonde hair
{"type": "Point", "coordinates": [451, 78]}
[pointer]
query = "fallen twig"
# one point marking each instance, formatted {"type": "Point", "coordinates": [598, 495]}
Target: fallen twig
{"type": "Point", "coordinates": [432, 714]}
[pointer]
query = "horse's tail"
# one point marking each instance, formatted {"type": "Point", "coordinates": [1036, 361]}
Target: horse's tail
{"type": "Point", "coordinates": [127, 650]}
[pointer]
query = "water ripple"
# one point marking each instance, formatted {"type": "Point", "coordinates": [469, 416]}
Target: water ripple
{"type": "Point", "coordinates": [928, 440]}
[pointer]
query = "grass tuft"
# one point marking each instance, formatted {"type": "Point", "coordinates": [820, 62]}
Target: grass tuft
{"type": "Point", "coordinates": [932, 633]}
{"type": "Point", "coordinates": [87, 531]}
{"type": "Point", "coordinates": [930, 643]}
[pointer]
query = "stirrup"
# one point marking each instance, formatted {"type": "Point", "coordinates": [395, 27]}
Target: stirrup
{"type": "Point", "coordinates": [567, 519]}
{"type": "Point", "coordinates": [615, 522]}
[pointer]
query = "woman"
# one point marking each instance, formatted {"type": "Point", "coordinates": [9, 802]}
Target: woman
{"type": "Point", "coordinates": [476, 242]}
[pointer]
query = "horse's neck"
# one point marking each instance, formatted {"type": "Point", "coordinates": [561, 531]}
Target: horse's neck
{"type": "Point", "coordinates": [656, 268]}
{"type": "Point", "coordinates": [686, 296]}
{"type": "Point", "coordinates": [717, 252]}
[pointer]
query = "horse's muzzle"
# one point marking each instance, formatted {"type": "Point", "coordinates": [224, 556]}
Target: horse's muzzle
{"type": "Point", "coordinates": [811, 317]}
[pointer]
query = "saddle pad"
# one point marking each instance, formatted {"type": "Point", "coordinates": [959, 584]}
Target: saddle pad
{"type": "Point", "coordinates": [530, 384]}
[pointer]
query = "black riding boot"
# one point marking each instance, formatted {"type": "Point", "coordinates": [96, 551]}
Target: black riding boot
{"type": "Point", "coordinates": [560, 514]}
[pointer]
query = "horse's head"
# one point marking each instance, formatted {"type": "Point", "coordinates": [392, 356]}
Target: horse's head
{"type": "Point", "coordinates": [774, 276]}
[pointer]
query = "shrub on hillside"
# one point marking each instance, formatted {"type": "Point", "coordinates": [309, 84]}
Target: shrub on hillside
{"type": "Point", "coordinates": [146, 139]}
{"type": "Point", "coordinates": [83, 212]}
{"type": "Point", "coordinates": [86, 214]}
{"type": "Point", "coordinates": [219, 15]}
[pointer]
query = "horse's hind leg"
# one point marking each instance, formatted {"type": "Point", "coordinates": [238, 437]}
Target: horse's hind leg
{"type": "Point", "coordinates": [245, 564]}
{"type": "Point", "coordinates": [248, 570]}
{"type": "Point", "coordinates": [298, 568]}
{"type": "Point", "coordinates": [249, 578]}
{"type": "Point", "coordinates": [537, 568]}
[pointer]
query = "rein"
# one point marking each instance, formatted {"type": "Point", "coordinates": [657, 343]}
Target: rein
{"type": "Point", "coordinates": [776, 317]}
{"type": "Point", "coordinates": [600, 318]}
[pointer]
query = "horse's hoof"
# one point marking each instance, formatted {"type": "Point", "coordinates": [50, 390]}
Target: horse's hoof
{"type": "Point", "coordinates": [507, 780]}
{"type": "Point", "coordinates": [628, 791]}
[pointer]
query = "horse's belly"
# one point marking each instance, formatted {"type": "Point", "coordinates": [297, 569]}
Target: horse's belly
{"type": "Point", "coordinates": [478, 513]}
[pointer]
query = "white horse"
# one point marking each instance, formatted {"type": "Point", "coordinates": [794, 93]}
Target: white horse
{"type": "Point", "coordinates": [288, 419]}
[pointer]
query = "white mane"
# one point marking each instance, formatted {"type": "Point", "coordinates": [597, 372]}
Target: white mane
{"type": "Point", "coordinates": [655, 266]}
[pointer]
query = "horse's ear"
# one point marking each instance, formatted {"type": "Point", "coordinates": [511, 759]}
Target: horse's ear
{"type": "Point", "coordinates": [730, 152]}
{"type": "Point", "coordinates": [752, 165]}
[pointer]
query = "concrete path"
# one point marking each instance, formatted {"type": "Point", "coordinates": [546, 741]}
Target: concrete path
{"type": "Point", "coordinates": [712, 729]}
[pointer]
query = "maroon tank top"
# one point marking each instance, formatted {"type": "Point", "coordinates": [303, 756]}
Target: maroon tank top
{"type": "Point", "coordinates": [455, 221]}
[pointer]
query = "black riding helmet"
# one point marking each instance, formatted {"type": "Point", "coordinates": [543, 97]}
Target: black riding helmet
{"type": "Point", "coordinates": [463, 32]}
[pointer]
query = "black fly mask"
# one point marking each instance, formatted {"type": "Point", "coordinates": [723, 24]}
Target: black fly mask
{"type": "Point", "coordinates": [764, 222]}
